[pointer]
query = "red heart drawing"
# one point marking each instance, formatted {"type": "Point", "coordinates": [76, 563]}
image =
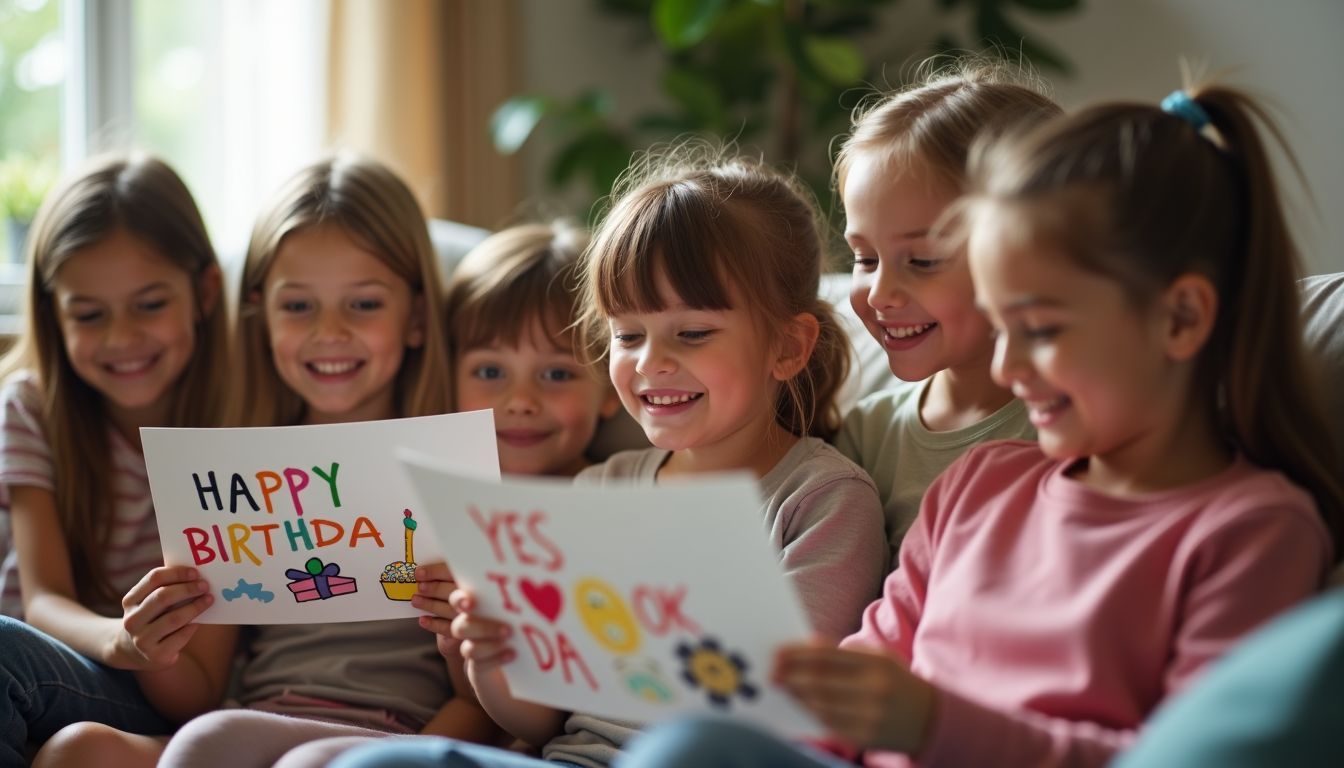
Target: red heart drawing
{"type": "Point", "coordinates": [544, 597]}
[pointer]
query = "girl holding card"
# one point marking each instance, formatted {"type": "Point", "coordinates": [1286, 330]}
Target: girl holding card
{"type": "Point", "coordinates": [702, 288]}
{"type": "Point", "coordinates": [521, 364]}
{"type": "Point", "coordinates": [123, 330]}
{"type": "Point", "coordinates": [340, 321]}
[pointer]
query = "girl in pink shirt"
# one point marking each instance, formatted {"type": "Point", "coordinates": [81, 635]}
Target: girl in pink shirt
{"type": "Point", "coordinates": [1138, 272]}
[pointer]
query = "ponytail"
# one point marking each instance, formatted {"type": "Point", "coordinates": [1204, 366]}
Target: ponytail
{"type": "Point", "coordinates": [1145, 195]}
{"type": "Point", "coordinates": [807, 404]}
{"type": "Point", "coordinates": [1273, 407]}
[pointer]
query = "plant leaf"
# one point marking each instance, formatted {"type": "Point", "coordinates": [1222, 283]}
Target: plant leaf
{"type": "Point", "coordinates": [683, 23]}
{"type": "Point", "coordinates": [995, 29]}
{"type": "Point", "coordinates": [514, 120]}
{"type": "Point", "coordinates": [696, 94]}
{"type": "Point", "coordinates": [835, 59]}
{"type": "Point", "coordinates": [566, 161]}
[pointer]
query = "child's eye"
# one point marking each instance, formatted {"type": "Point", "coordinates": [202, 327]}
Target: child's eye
{"type": "Point", "coordinates": [695, 335]}
{"type": "Point", "coordinates": [627, 339]}
{"type": "Point", "coordinates": [558, 375]}
{"type": "Point", "coordinates": [85, 318]}
{"type": "Point", "coordinates": [1042, 333]}
{"type": "Point", "coordinates": [152, 305]}
{"type": "Point", "coordinates": [366, 305]}
{"type": "Point", "coordinates": [296, 306]}
{"type": "Point", "coordinates": [923, 264]}
{"type": "Point", "coordinates": [488, 372]}
{"type": "Point", "coordinates": [864, 263]}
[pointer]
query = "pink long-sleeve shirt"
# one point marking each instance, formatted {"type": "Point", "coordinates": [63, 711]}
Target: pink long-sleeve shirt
{"type": "Point", "coordinates": [1053, 618]}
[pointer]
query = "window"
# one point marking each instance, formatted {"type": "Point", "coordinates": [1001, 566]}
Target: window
{"type": "Point", "coordinates": [229, 92]}
{"type": "Point", "coordinates": [32, 75]}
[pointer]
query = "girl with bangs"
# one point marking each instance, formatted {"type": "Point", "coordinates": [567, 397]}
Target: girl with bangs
{"type": "Point", "coordinates": [512, 306]}
{"type": "Point", "coordinates": [701, 290]}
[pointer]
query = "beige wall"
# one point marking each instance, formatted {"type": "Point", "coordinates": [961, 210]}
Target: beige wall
{"type": "Point", "coordinates": [1289, 50]}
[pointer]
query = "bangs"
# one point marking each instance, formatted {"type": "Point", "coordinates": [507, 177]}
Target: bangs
{"type": "Point", "coordinates": [535, 304]}
{"type": "Point", "coordinates": [673, 232]}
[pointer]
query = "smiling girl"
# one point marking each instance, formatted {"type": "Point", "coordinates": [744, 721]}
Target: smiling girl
{"type": "Point", "coordinates": [701, 288]}
{"type": "Point", "coordinates": [512, 305]}
{"type": "Point", "coordinates": [123, 330]}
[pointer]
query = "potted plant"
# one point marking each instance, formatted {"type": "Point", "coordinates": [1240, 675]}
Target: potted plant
{"type": "Point", "coordinates": [782, 75]}
{"type": "Point", "coordinates": [24, 181]}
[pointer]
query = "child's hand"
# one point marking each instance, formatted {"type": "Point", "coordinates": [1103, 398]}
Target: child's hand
{"type": "Point", "coordinates": [157, 616]}
{"type": "Point", "coordinates": [433, 586]}
{"type": "Point", "coordinates": [484, 642]}
{"type": "Point", "coordinates": [869, 699]}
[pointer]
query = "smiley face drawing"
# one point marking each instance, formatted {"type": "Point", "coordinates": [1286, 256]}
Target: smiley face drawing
{"type": "Point", "coordinates": [606, 616]}
{"type": "Point", "coordinates": [643, 680]}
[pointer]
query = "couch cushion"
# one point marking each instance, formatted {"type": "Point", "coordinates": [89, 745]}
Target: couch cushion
{"type": "Point", "coordinates": [1323, 333]}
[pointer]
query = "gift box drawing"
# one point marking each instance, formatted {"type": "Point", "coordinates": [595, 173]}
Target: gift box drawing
{"type": "Point", "coordinates": [318, 581]}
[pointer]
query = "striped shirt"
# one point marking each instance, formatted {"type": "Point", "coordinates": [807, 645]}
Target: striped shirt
{"type": "Point", "coordinates": [25, 460]}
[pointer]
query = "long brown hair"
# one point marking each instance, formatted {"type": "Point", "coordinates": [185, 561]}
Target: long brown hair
{"type": "Point", "coordinates": [1143, 196]}
{"type": "Point", "coordinates": [140, 195]}
{"type": "Point", "coordinates": [376, 208]}
{"type": "Point", "coordinates": [707, 220]}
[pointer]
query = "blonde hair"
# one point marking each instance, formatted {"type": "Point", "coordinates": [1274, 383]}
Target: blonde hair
{"type": "Point", "coordinates": [515, 281]}
{"type": "Point", "coordinates": [375, 208]}
{"type": "Point", "coordinates": [932, 124]}
{"type": "Point", "coordinates": [708, 220]}
{"type": "Point", "coordinates": [142, 196]}
{"type": "Point", "coordinates": [1141, 196]}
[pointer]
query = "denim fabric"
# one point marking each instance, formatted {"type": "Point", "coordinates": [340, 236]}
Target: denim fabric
{"type": "Point", "coordinates": [435, 752]}
{"type": "Point", "coordinates": [47, 686]}
{"type": "Point", "coordinates": [707, 742]}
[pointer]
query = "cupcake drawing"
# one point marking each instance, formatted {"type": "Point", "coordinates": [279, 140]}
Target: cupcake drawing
{"type": "Point", "coordinates": [398, 578]}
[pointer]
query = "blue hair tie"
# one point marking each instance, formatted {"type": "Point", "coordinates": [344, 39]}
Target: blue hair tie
{"type": "Point", "coordinates": [1181, 105]}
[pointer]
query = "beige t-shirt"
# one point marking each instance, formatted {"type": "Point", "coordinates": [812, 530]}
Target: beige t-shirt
{"type": "Point", "coordinates": [884, 435]}
{"type": "Point", "coordinates": [390, 666]}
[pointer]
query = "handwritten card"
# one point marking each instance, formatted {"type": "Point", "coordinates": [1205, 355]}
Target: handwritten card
{"type": "Point", "coordinates": [635, 604]}
{"type": "Point", "coordinates": [306, 524]}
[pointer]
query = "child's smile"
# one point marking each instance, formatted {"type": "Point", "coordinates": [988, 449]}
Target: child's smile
{"type": "Point", "coordinates": [335, 370]}
{"type": "Point", "coordinates": [695, 379]}
{"type": "Point", "coordinates": [339, 321]}
{"type": "Point", "coordinates": [900, 337]}
{"type": "Point", "coordinates": [546, 404]}
{"type": "Point", "coordinates": [668, 402]}
{"type": "Point", "coordinates": [127, 316]}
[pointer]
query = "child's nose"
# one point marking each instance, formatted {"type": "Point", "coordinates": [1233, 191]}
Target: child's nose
{"type": "Point", "coordinates": [1010, 362]}
{"type": "Point", "coordinates": [654, 360]}
{"type": "Point", "coordinates": [885, 289]}
{"type": "Point", "coordinates": [122, 331]}
{"type": "Point", "coordinates": [331, 326]}
{"type": "Point", "coordinates": [522, 399]}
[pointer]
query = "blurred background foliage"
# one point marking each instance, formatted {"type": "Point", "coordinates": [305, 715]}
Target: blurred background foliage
{"type": "Point", "coordinates": [778, 76]}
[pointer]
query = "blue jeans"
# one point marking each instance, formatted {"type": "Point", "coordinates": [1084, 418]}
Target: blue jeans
{"type": "Point", "coordinates": [47, 686]}
{"type": "Point", "coordinates": [435, 752]}
{"type": "Point", "coordinates": [709, 742]}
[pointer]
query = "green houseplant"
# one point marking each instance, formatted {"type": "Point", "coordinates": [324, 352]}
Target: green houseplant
{"type": "Point", "coordinates": [778, 75]}
{"type": "Point", "coordinates": [24, 181]}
